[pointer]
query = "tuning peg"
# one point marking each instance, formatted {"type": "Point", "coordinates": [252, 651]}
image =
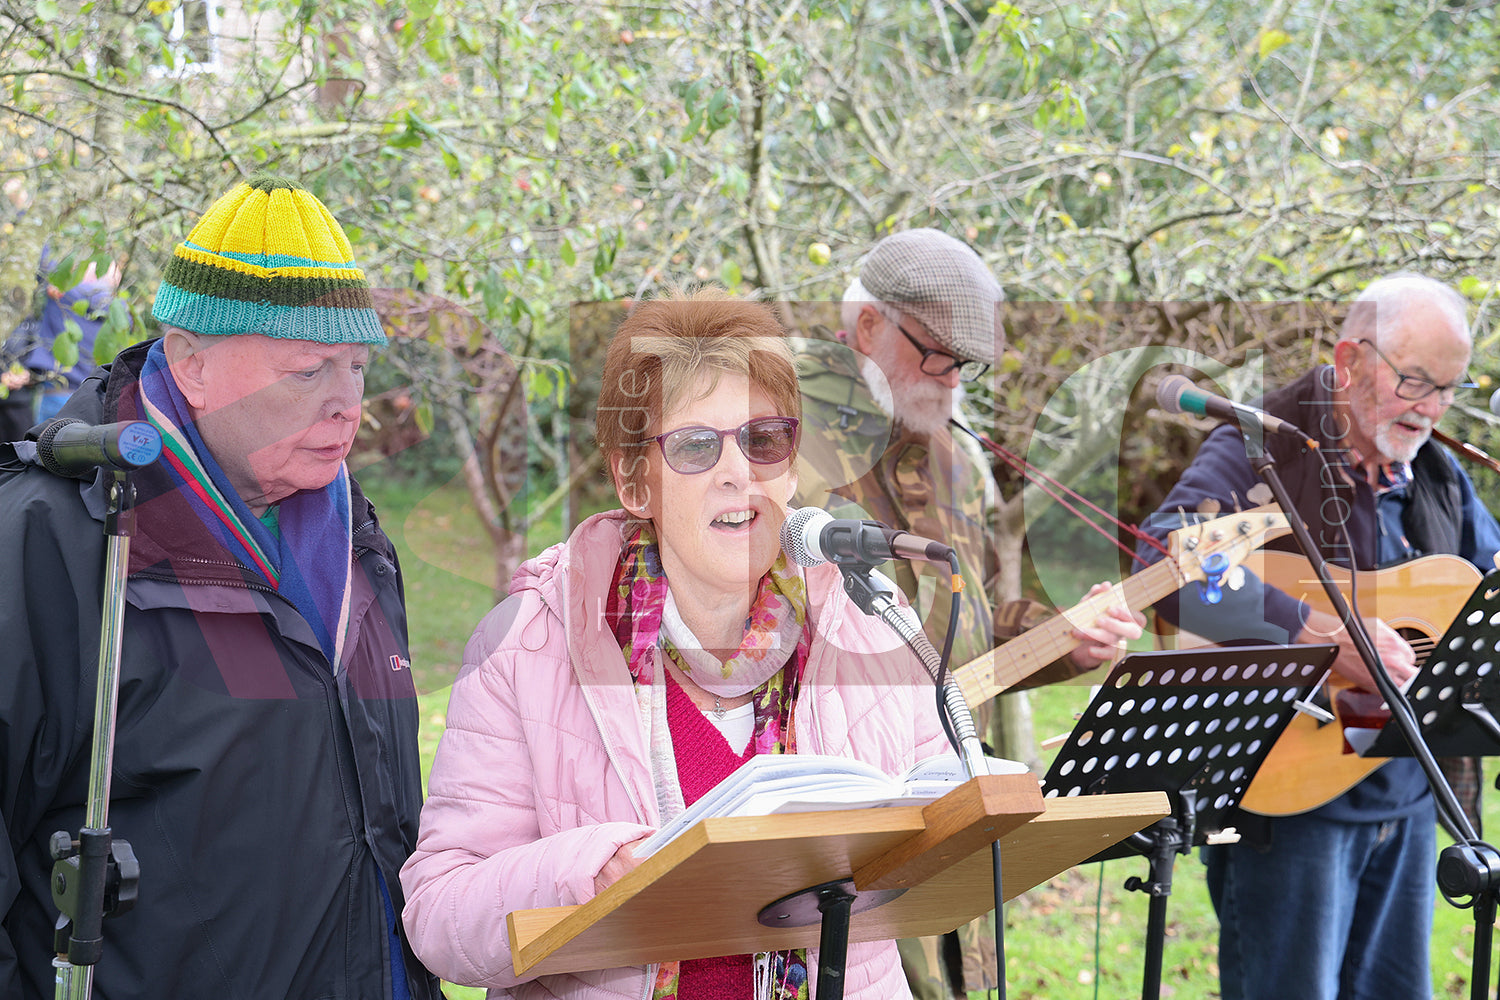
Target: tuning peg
{"type": "Point", "coordinates": [1209, 506]}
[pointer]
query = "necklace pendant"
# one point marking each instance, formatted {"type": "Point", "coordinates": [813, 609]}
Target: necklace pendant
{"type": "Point", "coordinates": [719, 708]}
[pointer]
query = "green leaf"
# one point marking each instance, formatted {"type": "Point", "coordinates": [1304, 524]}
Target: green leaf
{"type": "Point", "coordinates": [415, 134]}
{"type": "Point", "coordinates": [421, 9]}
{"type": "Point", "coordinates": [46, 11]}
{"type": "Point", "coordinates": [693, 95]}
{"type": "Point", "coordinates": [469, 39]}
{"type": "Point", "coordinates": [422, 412]}
{"type": "Point", "coordinates": [1275, 262]}
{"type": "Point", "coordinates": [419, 269]}
{"type": "Point", "coordinates": [114, 334]}
{"type": "Point", "coordinates": [567, 253]}
{"type": "Point", "coordinates": [1271, 41]}
{"type": "Point", "coordinates": [721, 109]}
{"type": "Point", "coordinates": [729, 274]}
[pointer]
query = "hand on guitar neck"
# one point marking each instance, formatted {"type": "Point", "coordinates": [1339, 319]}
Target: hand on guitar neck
{"type": "Point", "coordinates": [1395, 652]}
{"type": "Point", "coordinates": [1108, 634]}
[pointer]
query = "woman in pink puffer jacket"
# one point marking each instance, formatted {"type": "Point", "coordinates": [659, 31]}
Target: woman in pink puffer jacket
{"type": "Point", "coordinates": [638, 663]}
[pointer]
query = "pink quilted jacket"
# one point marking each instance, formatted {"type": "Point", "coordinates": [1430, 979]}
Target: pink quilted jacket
{"type": "Point", "coordinates": [543, 771]}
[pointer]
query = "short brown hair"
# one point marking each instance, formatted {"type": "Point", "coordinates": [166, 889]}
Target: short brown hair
{"type": "Point", "coordinates": [665, 344]}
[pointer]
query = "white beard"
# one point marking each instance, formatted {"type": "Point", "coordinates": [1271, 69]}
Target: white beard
{"type": "Point", "coordinates": [922, 404]}
{"type": "Point", "coordinates": [1390, 447]}
{"type": "Point", "coordinates": [1385, 440]}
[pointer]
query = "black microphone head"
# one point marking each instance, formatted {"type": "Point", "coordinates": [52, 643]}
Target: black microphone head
{"type": "Point", "coordinates": [799, 535]}
{"type": "Point", "coordinates": [46, 449]}
{"type": "Point", "coordinates": [75, 449]}
{"type": "Point", "coordinates": [1169, 392]}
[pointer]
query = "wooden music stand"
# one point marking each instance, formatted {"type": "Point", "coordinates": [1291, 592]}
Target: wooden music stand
{"type": "Point", "coordinates": [701, 895]}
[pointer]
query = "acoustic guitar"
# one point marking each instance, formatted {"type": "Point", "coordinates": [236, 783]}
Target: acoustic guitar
{"type": "Point", "coordinates": [1311, 763]}
{"type": "Point", "coordinates": [1197, 551]}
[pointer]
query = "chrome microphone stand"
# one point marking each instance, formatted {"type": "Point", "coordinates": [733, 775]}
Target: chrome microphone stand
{"type": "Point", "coordinates": [96, 874]}
{"type": "Point", "coordinates": [875, 595]}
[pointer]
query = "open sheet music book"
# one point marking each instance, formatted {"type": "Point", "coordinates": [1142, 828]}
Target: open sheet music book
{"type": "Point", "coordinates": [788, 783]}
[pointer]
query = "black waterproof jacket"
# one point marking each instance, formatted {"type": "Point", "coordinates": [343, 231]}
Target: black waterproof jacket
{"type": "Point", "coordinates": [261, 790]}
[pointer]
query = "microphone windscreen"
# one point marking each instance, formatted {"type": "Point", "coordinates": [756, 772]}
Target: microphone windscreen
{"type": "Point", "coordinates": [1495, 402]}
{"type": "Point", "coordinates": [799, 535]}
{"type": "Point", "coordinates": [1169, 392]}
{"type": "Point", "coordinates": [46, 446]}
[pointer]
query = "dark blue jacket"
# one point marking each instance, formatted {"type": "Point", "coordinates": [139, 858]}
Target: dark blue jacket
{"type": "Point", "coordinates": [261, 791]}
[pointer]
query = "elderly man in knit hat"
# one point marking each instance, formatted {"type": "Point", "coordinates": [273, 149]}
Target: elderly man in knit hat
{"type": "Point", "coordinates": [884, 437]}
{"type": "Point", "coordinates": [265, 767]}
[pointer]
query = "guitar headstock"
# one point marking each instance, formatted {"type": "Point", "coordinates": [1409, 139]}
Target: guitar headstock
{"type": "Point", "coordinates": [1209, 549]}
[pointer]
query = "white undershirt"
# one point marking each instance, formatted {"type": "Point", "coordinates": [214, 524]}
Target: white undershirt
{"type": "Point", "coordinates": [737, 725]}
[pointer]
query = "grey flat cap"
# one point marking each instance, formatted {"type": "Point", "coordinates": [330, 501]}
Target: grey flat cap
{"type": "Point", "coordinates": [942, 283]}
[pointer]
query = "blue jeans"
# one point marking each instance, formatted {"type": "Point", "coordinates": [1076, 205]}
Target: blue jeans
{"type": "Point", "coordinates": [1330, 910]}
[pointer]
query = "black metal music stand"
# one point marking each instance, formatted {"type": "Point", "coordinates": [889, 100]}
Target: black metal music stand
{"type": "Point", "coordinates": [1457, 689]}
{"type": "Point", "coordinates": [1195, 724]}
{"type": "Point", "coordinates": [1455, 697]}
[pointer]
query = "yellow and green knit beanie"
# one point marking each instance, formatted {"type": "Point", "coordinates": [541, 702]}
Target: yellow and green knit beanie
{"type": "Point", "coordinates": [268, 258]}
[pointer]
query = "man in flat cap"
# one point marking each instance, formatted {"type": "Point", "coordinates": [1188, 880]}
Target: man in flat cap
{"type": "Point", "coordinates": [265, 772]}
{"type": "Point", "coordinates": [884, 437]}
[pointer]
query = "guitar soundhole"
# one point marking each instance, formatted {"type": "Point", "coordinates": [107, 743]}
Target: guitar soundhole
{"type": "Point", "coordinates": [1421, 642]}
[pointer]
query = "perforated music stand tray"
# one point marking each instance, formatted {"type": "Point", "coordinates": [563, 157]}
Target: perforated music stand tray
{"type": "Point", "coordinates": [1194, 724]}
{"type": "Point", "coordinates": [1457, 689]}
{"type": "Point", "coordinates": [1198, 719]}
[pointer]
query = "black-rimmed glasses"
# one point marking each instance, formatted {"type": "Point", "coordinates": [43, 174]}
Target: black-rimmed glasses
{"type": "Point", "coordinates": [939, 363]}
{"type": "Point", "coordinates": [764, 440]}
{"type": "Point", "coordinates": [1415, 387]}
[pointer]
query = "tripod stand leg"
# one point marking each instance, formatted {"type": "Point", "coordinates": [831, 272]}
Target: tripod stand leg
{"type": "Point", "coordinates": [1160, 844]}
{"type": "Point", "coordinates": [1484, 932]}
{"type": "Point", "coordinates": [836, 904]}
{"type": "Point", "coordinates": [1156, 933]}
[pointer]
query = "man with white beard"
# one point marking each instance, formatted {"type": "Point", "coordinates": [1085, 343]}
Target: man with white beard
{"type": "Point", "coordinates": [1336, 900]}
{"type": "Point", "coordinates": [882, 440]}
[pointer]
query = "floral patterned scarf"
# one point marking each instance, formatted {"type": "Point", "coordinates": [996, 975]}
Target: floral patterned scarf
{"type": "Point", "coordinates": [637, 604]}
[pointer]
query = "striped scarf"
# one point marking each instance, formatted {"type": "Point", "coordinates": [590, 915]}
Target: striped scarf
{"type": "Point", "coordinates": [633, 612]}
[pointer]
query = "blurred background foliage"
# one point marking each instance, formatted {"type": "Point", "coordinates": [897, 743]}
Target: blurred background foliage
{"type": "Point", "coordinates": [1135, 173]}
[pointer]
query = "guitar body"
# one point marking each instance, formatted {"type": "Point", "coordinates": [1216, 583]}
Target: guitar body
{"type": "Point", "coordinates": [1310, 764]}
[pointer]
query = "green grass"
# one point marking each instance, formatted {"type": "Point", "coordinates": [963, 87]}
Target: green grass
{"type": "Point", "coordinates": [1079, 935]}
{"type": "Point", "coordinates": [1051, 932]}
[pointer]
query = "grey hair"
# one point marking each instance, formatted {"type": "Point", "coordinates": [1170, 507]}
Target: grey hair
{"type": "Point", "coordinates": [1386, 299]}
{"type": "Point", "coordinates": [856, 297]}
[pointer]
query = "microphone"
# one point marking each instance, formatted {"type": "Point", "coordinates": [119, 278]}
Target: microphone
{"type": "Point", "coordinates": [1178, 394]}
{"type": "Point", "coordinates": [72, 448]}
{"type": "Point", "coordinates": [1495, 402]}
{"type": "Point", "coordinates": [811, 535]}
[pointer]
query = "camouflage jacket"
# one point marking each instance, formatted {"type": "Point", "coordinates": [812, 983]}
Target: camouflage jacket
{"type": "Point", "coordinates": [856, 462]}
